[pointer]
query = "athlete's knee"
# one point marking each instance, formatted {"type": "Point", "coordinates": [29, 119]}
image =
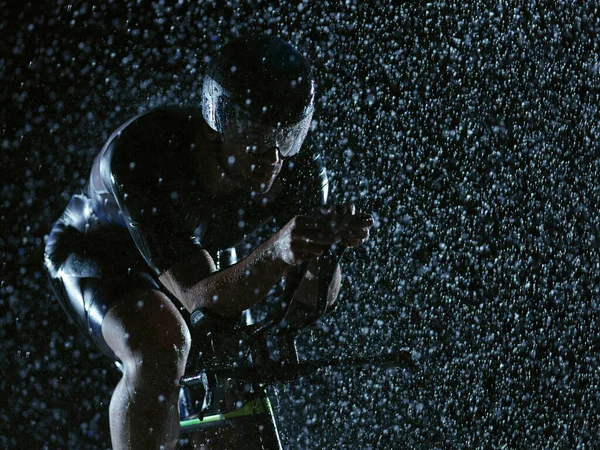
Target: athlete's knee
{"type": "Point", "coordinates": [150, 338]}
{"type": "Point", "coordinates": [159, 363]}
{"type": "Point", "coordinates": [157, 366]}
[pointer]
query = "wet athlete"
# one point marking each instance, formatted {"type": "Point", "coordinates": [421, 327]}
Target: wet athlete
{"type": "Point", "coordinates": [171, 195]}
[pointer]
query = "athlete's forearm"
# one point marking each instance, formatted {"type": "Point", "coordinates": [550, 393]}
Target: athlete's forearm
{"type": "Point", "coordinates": [238, 287]}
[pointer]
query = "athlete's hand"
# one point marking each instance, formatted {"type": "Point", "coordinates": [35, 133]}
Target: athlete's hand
{"type": "Point", "coordinates": [306, 237]}
{"type": "Point", "coordinates": [353, 226]}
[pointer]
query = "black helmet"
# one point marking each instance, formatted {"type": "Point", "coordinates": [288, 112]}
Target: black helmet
{"type": "Point", "coordinates": [260, 82]}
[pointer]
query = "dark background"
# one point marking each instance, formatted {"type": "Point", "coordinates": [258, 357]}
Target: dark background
{"type": "Point", "coordinates": [469, 129]}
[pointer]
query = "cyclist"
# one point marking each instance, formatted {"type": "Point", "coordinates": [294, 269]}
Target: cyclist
{"type": "Point", "coordinates": [172, 189]}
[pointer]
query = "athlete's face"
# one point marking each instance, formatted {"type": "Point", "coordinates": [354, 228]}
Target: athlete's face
{"type": "Point", "coordinates": [250, 160]}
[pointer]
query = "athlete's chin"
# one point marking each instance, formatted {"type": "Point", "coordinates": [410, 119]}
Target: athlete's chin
{"type": "Point", "coordinates": [262, 183]}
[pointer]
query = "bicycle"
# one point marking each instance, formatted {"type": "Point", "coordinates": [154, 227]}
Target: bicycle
{"type": "Point", "coordinates": [227, 388]}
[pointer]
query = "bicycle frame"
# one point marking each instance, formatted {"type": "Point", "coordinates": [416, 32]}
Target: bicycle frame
{"type": "Point", "coordinates": [230, 376]}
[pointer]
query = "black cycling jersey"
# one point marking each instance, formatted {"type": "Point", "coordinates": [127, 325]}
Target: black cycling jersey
{"type": "Point", "coordinates": [144, 210]}
{"type": "Point", "coordinates": [147, 179]}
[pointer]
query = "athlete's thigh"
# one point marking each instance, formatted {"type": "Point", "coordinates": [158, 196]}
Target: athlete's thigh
{"type": "Point", "coordinates": [145, 324]}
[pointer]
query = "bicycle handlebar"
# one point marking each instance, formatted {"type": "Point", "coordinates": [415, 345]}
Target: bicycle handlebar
{"type": "Point", "coordinates": [279, 371]}
{"type": "Point", "coordinates": [231, 344]}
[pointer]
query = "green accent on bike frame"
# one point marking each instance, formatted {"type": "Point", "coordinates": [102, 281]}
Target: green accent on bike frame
{"type": "Point", "coordinates": [248, 409]}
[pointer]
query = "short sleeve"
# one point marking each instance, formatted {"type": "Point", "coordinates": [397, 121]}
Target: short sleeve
{"type": "Point", "coordinates": [150, 179]}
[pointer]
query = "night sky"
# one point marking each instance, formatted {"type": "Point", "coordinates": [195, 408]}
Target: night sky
{"type": "Point", "coordinates": [469, 129]}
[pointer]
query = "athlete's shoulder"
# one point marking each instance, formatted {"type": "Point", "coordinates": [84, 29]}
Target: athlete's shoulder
{"type": "Point", "coordinates": [165, 125]}
{"type": "Point", "coordinates": [152, 156]}
{"type": "Point", "coordinates": [158, 138]}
